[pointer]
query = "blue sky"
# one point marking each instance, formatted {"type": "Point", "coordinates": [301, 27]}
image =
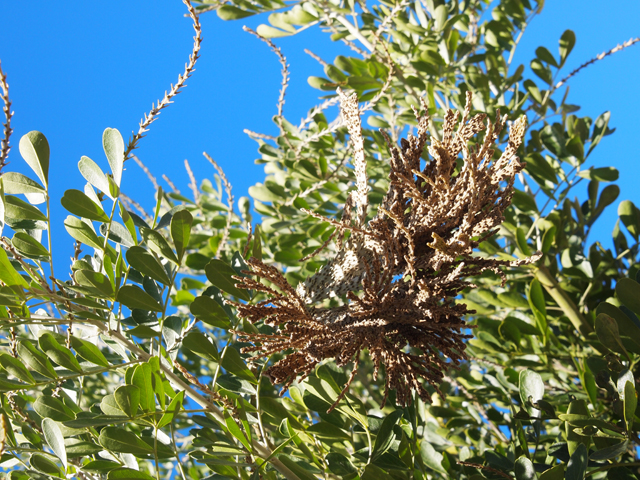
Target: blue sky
{"type": "Point", "coordinates": [75, 68]}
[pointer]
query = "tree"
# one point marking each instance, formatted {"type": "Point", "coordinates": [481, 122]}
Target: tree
{"type": "Point", "coordinates": [435, 321]}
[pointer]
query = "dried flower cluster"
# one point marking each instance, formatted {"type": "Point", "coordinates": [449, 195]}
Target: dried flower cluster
{"type": "Point", "coordinates": [409, 262]}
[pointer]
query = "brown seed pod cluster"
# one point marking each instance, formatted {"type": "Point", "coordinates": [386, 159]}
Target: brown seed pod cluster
{"type": "Point", "coordinates": [399, 274]}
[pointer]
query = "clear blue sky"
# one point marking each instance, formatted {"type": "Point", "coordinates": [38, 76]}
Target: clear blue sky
{"type": "Point", "coordinates": [75, 68]}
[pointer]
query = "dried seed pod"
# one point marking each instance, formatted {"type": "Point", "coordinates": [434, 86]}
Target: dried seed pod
{"type": "Point", "coordinates": [423, 233]}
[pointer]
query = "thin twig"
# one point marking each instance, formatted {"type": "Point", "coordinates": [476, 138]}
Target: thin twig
{"type": "Point", "coordinates": [128, 201]}
{"type": "Point", "coordinates": [386, 21]}
{"type": "Point", "coordinates": [259, 135]}
{"type": "Point", "coordinates": [617, 48]}
{"type": "Point", "coordinates": [285, 77]}
{"type": "Point", "coordinates": [227, 187]}
{"type": "Point", "coordinates": [148, 173]}
{"type": "Point", "coordinates": [175, 89]}
{"type": "Point", "coordinates": [315, 57]}
{"type": "Point", "coordinates": [6, 109]}
{"type": "Point", "coordinates": [193, 185]}
{"type": "Point", "coordinates": [174, 189]}
{"type": "Point", "coordinates": [330, 102]}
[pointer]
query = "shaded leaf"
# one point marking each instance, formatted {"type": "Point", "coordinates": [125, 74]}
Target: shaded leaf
{"type": "Point", "coordinates": [35, 360]}
{"type": "Point", "coordinates": [58, 353]}
{"type": "Point", "coordinates": [128, 399]}
{"type": "Point", "coordinates": [80, 204]}
{"type": "Point", "coordinates": [121, 441]}
{"type": "Point", "coordinates": [16, 368]}
{"type": "Point", "coordinates": [88, 351]}
{"type": "Point", "coordinates": [82, 232]}
{"type": "Point", "coordinates": [201, 344]}
{"type": "Point", "coordinates": [531, 390]}
{"type": "Point", "coordinates": [158, 244]}
{"type": "Point", "coordinates": [133, 296]}
{"type": "Point", "coordinates": [181, 231]}
{"type": "Point", "coordinates": [147, 264]}
{"type": "Point", "coordinates": [219, 274]}
{"type": "Point", "coordinates": [51, 407]}
{"type": "Point", "coordinates": [17, 208]}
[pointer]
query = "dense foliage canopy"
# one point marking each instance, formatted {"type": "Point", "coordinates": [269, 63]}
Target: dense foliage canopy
{"type": "Point", "coordinates": [418, 299]}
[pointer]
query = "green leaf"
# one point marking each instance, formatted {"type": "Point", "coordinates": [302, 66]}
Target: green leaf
{"type": "Point", "coordinates": [19, 209]}
{"type": "Point", "coordinates": [567, 41]}
{"type": "Point", "coordinates": [128, 399]}
{"type": "Point", "coordinates": [43, 465]}
{"type": "Point", "coordinates": [630, 403]}
{"type": "Point", "coordinates": [554, 473]}
{"type": "Point", "coordinates": [604, 174]}
{"type": "Point", "coordinates": [431, 457]}
{"type": "Point", "coordinates": [233, 363]}
{"type": "Point", "coordinates": [54, 438]}
{"type": "Point", "coordinates": [234, 429]}
{"type": "Point", "coordinates": [16, 368]}
{"type": "Point", "coordinates": [267, 31]}
{"type": "Point", "coordinates": [535, 296]}
{"type": "Point", "coordinates": [296, 468]}
{"type": "Point", "coordinates": [158, 244]}
{"type": "Point", "coordinates": [524, 469]}
{"type": "Point", "coordinates": [181, 231]}
{"type": "Point", "coordinates": [608, 453]}
{"type": "Point", "coordinates": [373, 472]}
{"type": "Point", "coordinates": [219, 274]}
{"type": "Point", "coordinates": [93, 174]}
{"type": "Point", "coordinates": [209, 311]}
{"type": "Point", "coordinates": [600, 130]}
{"type": "Point", "coordinates": [59, 354]}
{"type": "Point", "coordinates": [124, 473]}
{"type": "Point", "coordinates": [172, 410]}
{"type": "Point", "coordinates": [440, 16]}
{"type": "Point", "coordinates": [201, 344]}
{"type": "Point", "coordinates": [545, 55]}
{"type": "Point", "coordinates": [121, 441]}
{"type": "Point", "coordinates": [15, 183]}
{"type": "Point", "coordinates": [118, 233]}
{"type": "Point", "coordinates": [230, 12]}
{"type": "Point", "coordinates": [82, 232]}
{"type": "Point", "coordinates": [133, 296]}
{"type": "Point", "coordinates": [29, 246]}
{"type": "Point", "coordinates": [34, 148]}
{"type": "Point", "coordinates": [142, 379]}
{"type": "Point", "coordinates": [147, 264]}
{"type": "Point", "coordinates": [339, 464]}
{"type": "Point", "coordinates": [577, 466]}
{"type": "Point", "coordinates": [100, 466]}
{"type": "Point", "coordinates": [627, 326]}
{"type": "Point", "coordinates": [35, 360]}
{"type": "Point", "coordinates": [53, 408]}
{"type": "Point", "coordinates": [99, 282]}
{"type": "Point", "coordinates": [88, 351]}
{"type": "Point", "coordinates": [628, 292]}
{"type": "Point", "coordinates": [113, 146]}
{"type": "Point", "coordinates": [8, 274]}
{"type": "Point", "coordinates": [608, 333]}
{"type": "Point", "coordinates": [80, 204]}
{"type": "Point", "coordinates": [93, 420]}
{"type": "Point", "coordinates": [630, 216]}
{"type": "Point", "coordinates": [385, 434]}
{"type": "Point", "coordinates": [531, 390]}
